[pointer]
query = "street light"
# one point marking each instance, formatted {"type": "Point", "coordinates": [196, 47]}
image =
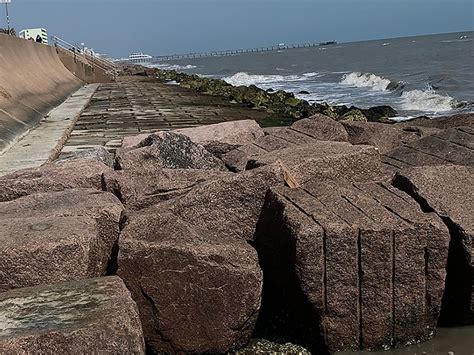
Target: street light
{"type": "Point", "coordinates": [6, 2]}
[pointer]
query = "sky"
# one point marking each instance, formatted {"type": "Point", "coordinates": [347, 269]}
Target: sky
{"type": "Point", "coordinates": [160, 27]}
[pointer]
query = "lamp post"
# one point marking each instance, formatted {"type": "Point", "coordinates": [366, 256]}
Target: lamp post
{"type": "Point", "coordinates": [6, 2]}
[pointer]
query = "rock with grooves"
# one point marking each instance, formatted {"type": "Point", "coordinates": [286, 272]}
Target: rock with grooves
{"type": "Point", "coordinates": [383, 136]}
{"type": "Point", "coordinates": [197, 291]}
{"type": "Point", "coordinates": [78, 173]}
{"type": "Point", "coordinates": [336, 161]}
{"type": "Point", "coordinates": [167, 150]}
{"type": "Point", "coordinates": [57, 236]}
{"type": "Point", "coordinates": [461, 119]}
{"type": "Point", "coordinates": [95, 316]}
{"type": "Point", "coordinates": [138, 189]}
{"type": "Point", "coordinates": [452, 146]}
{"type": "Point", "coordinates": [449, 191]}
{"type": "Point", "coordinates": [368, 262]}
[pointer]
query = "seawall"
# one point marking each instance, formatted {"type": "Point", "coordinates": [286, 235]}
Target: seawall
{"type": "Point", "coordinates": [32, 82]}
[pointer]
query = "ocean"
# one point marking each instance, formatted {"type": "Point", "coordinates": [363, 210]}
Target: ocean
{"type": "Point", "coordinates": [424, 75]}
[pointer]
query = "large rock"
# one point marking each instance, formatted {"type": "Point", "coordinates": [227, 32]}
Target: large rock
{"type": "Point", "coordinates": [383, 136]}
{"type": "Point", "coordinates": [78, 173]}
{"type": "Point", "coordinates": [370, 265]}
{"type": "Point", "coordinates": [81, 317]}
{"type": "Point", "coordinates": [336, 161]}
{"type": "Point", "coordinates": [449, 191]}
{"type": "Point", "coordinates": [100, 154]}
{"type": "Point", "coordinates": [137, 189]}
{"type": "Point", "coordinates": [167, 150]}
{"type": "Point", "coordinates": [230, 205]}
{"type": "Point", "coordinates": [322, 128]}
{"type": "Point", "coordinates": [452, 146]}
{"type": "Point", "coordinates": [445, 122]}
{"type": "Point", "coordinates": [302, 132]}
{"type": "Point", "coordinates": [233, 132]}
{"type": "Point", "coordinates": [197, 291]}
{"type": "Point", "coordinates": [57, 236]}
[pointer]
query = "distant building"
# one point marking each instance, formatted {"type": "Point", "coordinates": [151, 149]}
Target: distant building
{"type": "Point", "coordinates": [33, 33]}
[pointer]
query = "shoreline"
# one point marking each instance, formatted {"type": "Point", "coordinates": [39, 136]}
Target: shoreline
{"type": "Point", "coordinates": [279, 102]}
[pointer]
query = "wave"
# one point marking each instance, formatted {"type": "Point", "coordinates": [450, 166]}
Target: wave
{"type": "Point", "coordinates": [366, 80]}
{"type": "Point", "coordinates": [429, 101]}
{"type": "Point", "coordinates": [250, 79]}
{"type": "Point", "coordinates": [166, 66]}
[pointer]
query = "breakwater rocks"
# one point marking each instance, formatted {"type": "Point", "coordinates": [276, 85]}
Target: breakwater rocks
{"type": "Point", "coordinates": [279, 102]}
{"type": "Point", "coordinates": [326, 234]}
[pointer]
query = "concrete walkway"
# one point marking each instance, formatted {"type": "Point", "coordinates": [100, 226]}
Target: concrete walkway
{"type": "Point", "coordinates": [45, 141]}
{"type": "Point", "coordinates": [135, 105]}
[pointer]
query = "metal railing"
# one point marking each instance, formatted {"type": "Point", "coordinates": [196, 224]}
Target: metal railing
{"type": "Point", "coordinates": [101, 63]}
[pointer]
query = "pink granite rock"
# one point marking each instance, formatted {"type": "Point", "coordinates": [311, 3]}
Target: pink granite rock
{"type": "Point", "coordinates": [232, 132]}
{"type": "Point", "coordinates": [369, 263]}
{"type": "Point", "coordinates": [57, 236]}
{"type": "Point", "coordinates": [94, 316]}
{"type": "Point", "coordinates": [140, 189]}
{"type": "Point", "coordinates": [78, 173]}
{"type": "Point", "coordinates": [198, 291]}
{"type": "Point", "coordinates": [167, 150]}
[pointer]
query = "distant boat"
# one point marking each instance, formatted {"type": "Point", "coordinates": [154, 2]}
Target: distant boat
{"type": "Point", "coordinates": [139, 58]}
{"type": "Point", "coordinates": [464, 37]}
{"type": "Point", "coordinates": [328, 43]}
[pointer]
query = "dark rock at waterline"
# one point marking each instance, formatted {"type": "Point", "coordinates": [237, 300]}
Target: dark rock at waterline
{"type": "Point", "coordinates": [364, 250]}
{"type": "Point", "coordinates": [379, 113]}
{"type": "Point", "coordinates": [198, 290]}
{"type": "Point", "coordinates": [167, 150]}
{"type": "Point", "coordinates": [279, 102]}
{"type": "Point", "coordinates": [304, 92]}
{"type": "Point", "coordinates": [448, 191]}
{"type": "Point", "coordinates": [95, 316]}
{"type": "Point", "coordinates": [57, 236]}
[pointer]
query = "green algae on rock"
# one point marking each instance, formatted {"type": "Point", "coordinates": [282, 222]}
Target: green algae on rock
{"type": "Point", "coordinates": [279, 102]}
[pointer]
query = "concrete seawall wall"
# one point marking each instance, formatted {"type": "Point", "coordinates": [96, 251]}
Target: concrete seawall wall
{"type": "Point", "coordinates": [81, 68]}
{"type": "Point", "coordinates": [32, 82]}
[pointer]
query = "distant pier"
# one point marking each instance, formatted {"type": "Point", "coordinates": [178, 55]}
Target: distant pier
{"type": "Point", "coordinates": [226, 53]}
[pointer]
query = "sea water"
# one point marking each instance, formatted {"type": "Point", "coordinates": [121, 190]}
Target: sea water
{"type": "Point", "coordinates": [425, 75]}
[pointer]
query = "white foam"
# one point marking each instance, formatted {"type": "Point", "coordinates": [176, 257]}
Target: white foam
{"type": "Point", "coordinates": [366, 80]}
{"type": "Point", "coordinates": [250, 79]}
{"type": "Point", "coordinates": [427, 100]}
{"type": "Point", "coordinates": [166, 66]}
